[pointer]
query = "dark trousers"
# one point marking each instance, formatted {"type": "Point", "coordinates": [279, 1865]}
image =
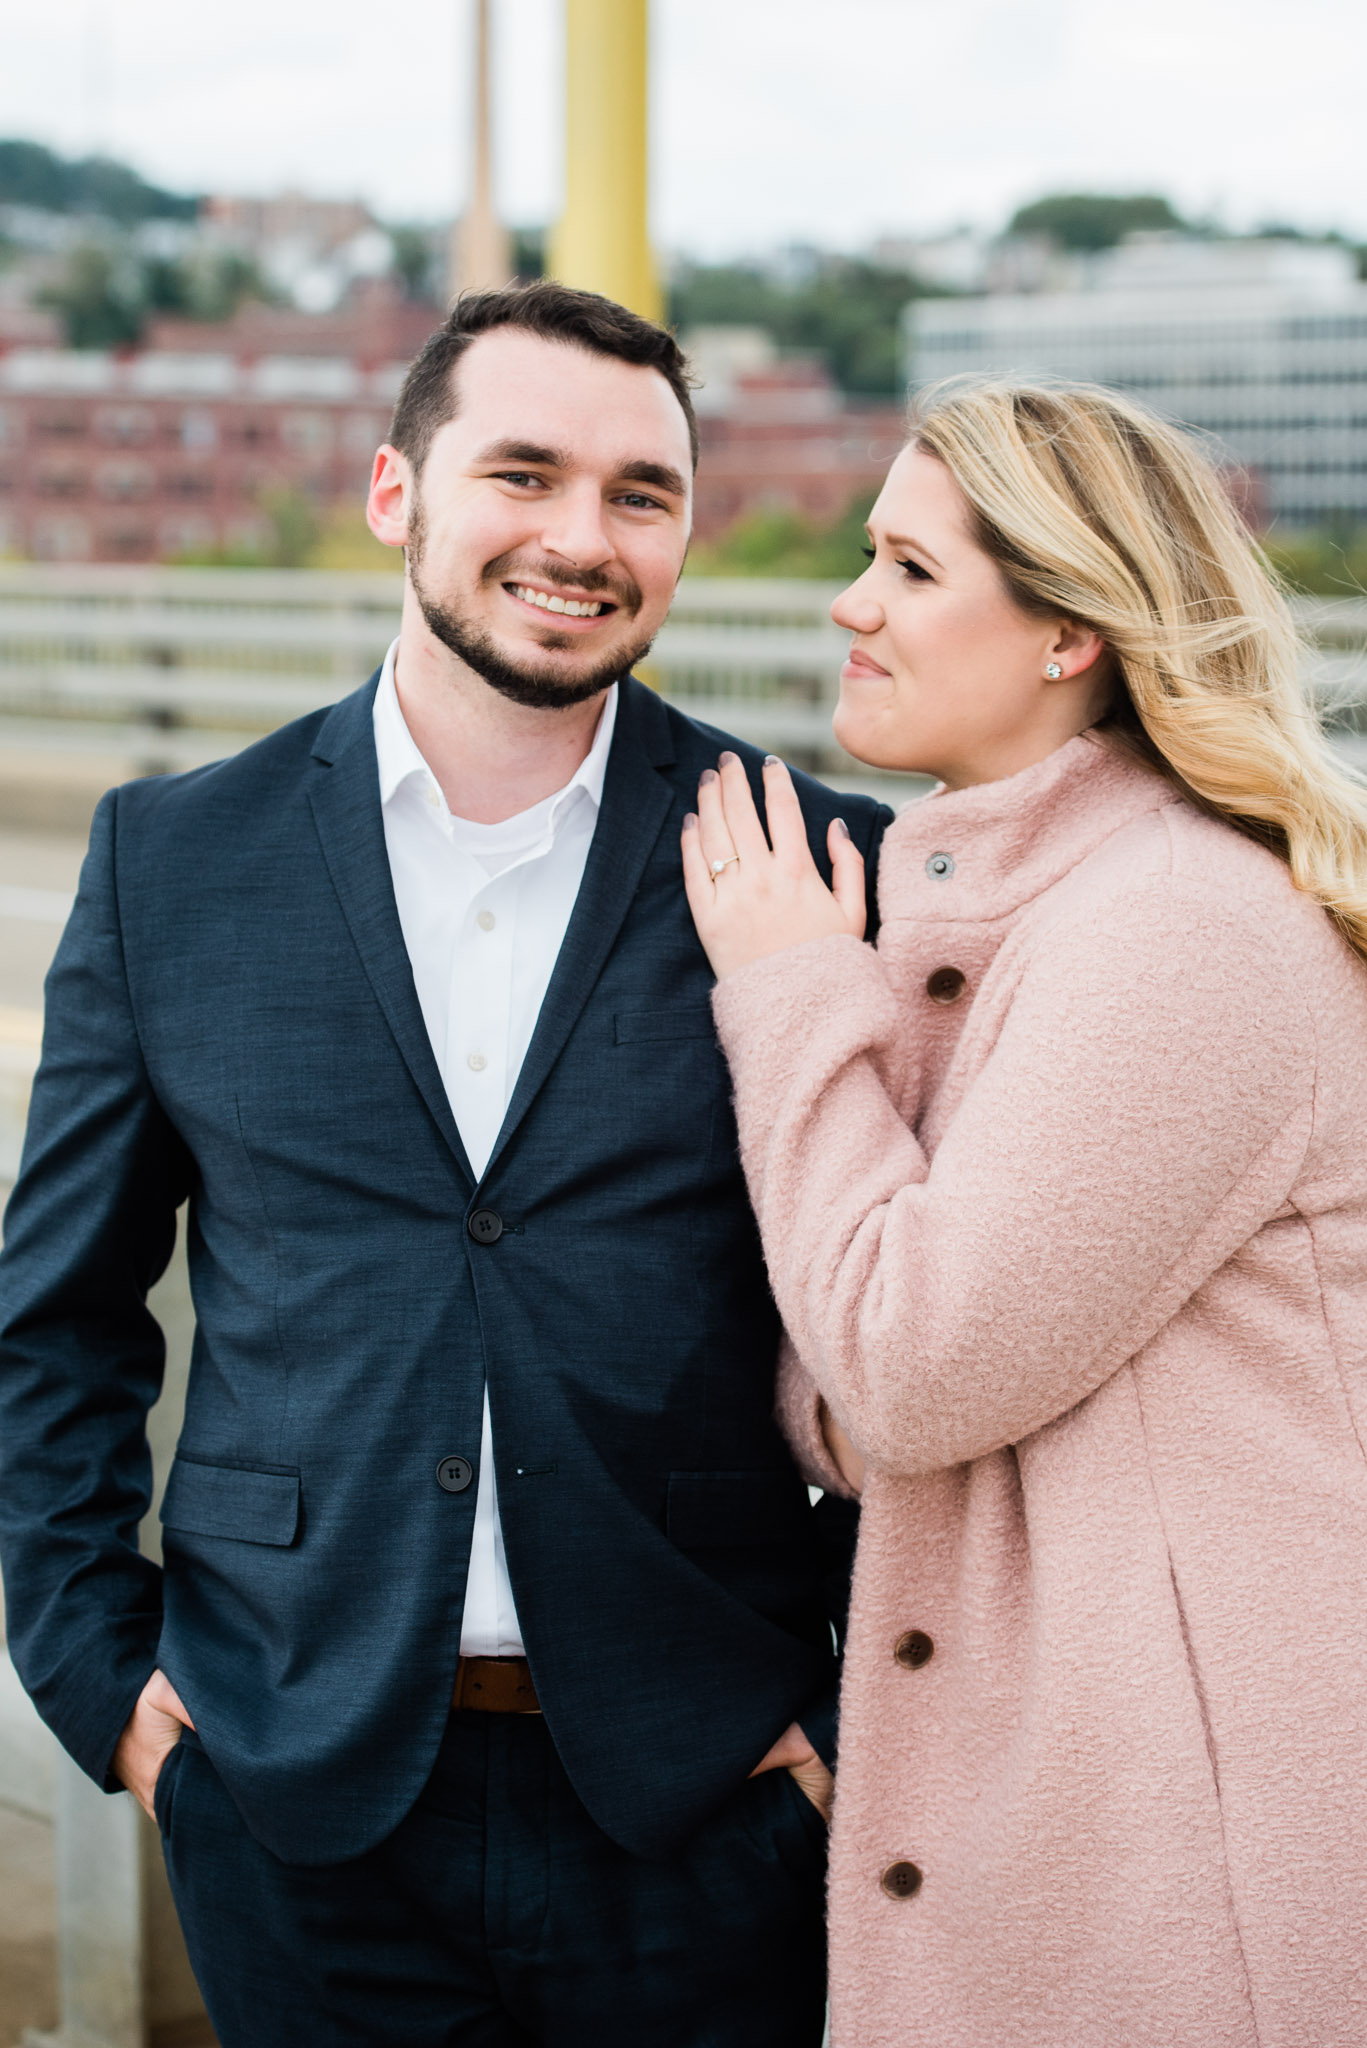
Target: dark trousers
{"type": "Point", "coordinates": [497, 1914]}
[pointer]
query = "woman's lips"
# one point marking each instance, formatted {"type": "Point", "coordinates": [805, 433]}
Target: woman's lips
{"type": "Point", "coordinates": [860, 667]}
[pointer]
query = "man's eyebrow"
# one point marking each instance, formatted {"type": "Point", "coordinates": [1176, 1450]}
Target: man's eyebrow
{"type": "Point", "coordinates": [917, 547]}
{"type": "Point", "coordinates": [524, 451]}
{"type": "Point", "coordinates": [657, 473]}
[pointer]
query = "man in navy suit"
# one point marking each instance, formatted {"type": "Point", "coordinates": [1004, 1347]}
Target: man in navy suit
{"type": "Point", "coordinates": [487, 1692]}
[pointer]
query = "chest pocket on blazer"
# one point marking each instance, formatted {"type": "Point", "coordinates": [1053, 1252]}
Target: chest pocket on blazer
{"type": "Point", "coordinates": [231, 1500]}
{"type": "Point", "coordinates": [690, 1020]}
{"type": "Point", "coordinates": [719, 1510]}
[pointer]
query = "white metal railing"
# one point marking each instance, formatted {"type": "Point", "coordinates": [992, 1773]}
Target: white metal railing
{"type": "Point", "coordinates": [175, 666]}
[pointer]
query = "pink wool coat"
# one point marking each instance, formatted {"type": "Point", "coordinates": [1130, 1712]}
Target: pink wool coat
{"type": "Point", "coordinates": [1064, 1195]}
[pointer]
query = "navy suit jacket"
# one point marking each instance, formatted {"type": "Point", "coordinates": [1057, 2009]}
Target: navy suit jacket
{"type": "Point", "coordinates": [232, 1019]}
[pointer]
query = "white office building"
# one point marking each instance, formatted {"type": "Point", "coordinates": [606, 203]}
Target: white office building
{"type": "Point", "coordinates": [1260, 344]}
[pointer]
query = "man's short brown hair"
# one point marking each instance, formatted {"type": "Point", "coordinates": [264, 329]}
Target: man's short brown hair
{"type": "Point", "coordinates": [556, 312]}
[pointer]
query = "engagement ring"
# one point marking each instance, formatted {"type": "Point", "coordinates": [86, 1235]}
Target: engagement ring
{"type": "Point", "coordinates": [718, 865]}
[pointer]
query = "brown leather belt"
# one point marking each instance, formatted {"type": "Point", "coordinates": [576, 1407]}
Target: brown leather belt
{"type": "Point", "coordinates": [495, 1685]}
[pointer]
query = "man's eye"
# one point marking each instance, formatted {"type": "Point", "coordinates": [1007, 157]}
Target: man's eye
{"type": "Point", "coordinates": [517, 476]}
{"type": "Point", "coordinates": [639, 498]}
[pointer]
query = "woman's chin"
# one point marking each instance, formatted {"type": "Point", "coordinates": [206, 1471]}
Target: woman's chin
{"type": "Point", "coordinates": [876, 748]}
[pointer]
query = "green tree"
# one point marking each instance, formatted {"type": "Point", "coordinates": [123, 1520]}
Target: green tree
{"type": "Point", "coordinates": [779, 542]}
{"type": "Point", "coordinates": [412, 261]}
{"type": "Point", "coordinates": [1094, 220]}
{"type": "Point", "coordinates": [98, 298]}
{"type": "Point", "coordinates": [31, 175]}
{"type": "Point", "coordinates": [848, 311]}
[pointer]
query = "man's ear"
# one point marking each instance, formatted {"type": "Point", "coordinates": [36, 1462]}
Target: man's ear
{"type": "Point", "coordinates": [388, 503]}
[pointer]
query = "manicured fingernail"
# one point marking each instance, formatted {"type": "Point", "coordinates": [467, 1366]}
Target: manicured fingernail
{"type": "Point", "coordinates": [690, 821]}
{"type": "Point", "coordinates": [725, 760]}
{"type": "Point", "coordinates": [841, 827]}
{"type": "Point", "coordinates": [771, 761]}
{"type": "Point", "coordinates": [708, 775]}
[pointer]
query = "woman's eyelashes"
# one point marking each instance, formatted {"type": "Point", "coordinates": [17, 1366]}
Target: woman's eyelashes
{"type": "Point", "coordinates": [913, 569]}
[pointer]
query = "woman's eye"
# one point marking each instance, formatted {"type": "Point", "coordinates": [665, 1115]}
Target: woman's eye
{"type": "Point", "coordinates": [916, 572]}
{"type": "Point", "coordinates": [869, 554]}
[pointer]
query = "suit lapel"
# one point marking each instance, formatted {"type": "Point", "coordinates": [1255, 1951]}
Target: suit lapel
{"type": "Point", "coordinates": [346, 810]}
{"type": "Point", "coordinates": [636, 802]}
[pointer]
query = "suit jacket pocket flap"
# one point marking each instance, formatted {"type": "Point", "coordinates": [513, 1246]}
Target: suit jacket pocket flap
{"type": "Point", "coordinates": [711, 1510]}
{"type": "Point", "coordinates": [232, 1500]}
{"type": "Point", "coordinates": [690, 1020]}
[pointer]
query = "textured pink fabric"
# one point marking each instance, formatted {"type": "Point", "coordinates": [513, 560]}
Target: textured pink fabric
{"type": "Point", "coordinates": [1080, 1262]}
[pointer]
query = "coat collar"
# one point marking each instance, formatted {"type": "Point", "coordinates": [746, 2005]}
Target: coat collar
{"type": "Point", "coordinates": [972, 854]}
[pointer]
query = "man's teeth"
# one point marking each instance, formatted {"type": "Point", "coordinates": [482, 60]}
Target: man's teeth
{"type": "Point", "coordinates": [589, 609]}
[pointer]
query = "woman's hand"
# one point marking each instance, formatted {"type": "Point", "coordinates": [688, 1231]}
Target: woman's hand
{"type": "Point", "coordinates": [763, 900]}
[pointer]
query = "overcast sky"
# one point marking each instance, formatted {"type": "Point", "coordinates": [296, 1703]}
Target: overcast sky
{"type": "Point", "coordinates": [829, 121]}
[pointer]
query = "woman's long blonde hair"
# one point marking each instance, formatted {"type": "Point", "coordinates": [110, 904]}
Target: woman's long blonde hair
{"type": "Point", "coordinates": [1099, 511]}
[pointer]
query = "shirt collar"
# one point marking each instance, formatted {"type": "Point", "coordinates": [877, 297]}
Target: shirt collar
{"type": "Point", "coordinates": [399, 758]}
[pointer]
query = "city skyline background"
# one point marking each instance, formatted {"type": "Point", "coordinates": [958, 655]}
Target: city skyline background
{"type": "Point", "coordinates": [776, 121]}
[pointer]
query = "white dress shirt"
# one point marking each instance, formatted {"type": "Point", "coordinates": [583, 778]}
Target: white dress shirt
{"type": "Point", "coordinates": [484, 910]}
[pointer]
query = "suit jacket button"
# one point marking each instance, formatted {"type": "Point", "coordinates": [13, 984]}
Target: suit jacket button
{"type": "Point", "coordinates": [454, 1474]}
{"type": "Point", "coordinates": [914, 1649]}
{"type": "Point", "coordinates": [901, 1880]}
{"type": "Point", "coordinates": [485, 1226]}
{"type": "Point", "coordinates": [946, 985]}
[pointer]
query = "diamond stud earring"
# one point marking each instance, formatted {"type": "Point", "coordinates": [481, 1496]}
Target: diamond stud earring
{"type": "Point", "coordinates": [1053, 670]}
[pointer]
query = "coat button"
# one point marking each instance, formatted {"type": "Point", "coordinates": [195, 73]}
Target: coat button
{"type": "Point", "coordinates": [901, 1880]}
{"type": "Point", "coordinates": [946, 985]}
{"type": "Point", "coordinates": [485, 1226]}
{"type": "Point", "coordinates": [940, 867]}
{"type": "Point", "coordinates": [914, 1649]}
{"type": "Point", "coordinates": [454, 1474]}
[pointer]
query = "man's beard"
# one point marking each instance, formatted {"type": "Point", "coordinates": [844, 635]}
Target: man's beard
{"type": "Point", "coordinates": [519, 681]}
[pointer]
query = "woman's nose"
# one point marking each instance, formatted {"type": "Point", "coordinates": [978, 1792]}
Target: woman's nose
{"type": "Point", "coordinates": [856, 609]}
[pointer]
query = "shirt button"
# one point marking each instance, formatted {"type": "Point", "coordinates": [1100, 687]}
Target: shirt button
{"type": "Point", "coordinates": [486, 920]}
{"type": "Point", "coordinates": [432, 797]}
{"type": "Point", "coordinates": [901, 1880]}
{"type": "Point", "coordinates": [476, 1062]}
{"type": "Point", "coordinates": [946, 985]}
{"type": "Point", "coordinates": [914, 1649]}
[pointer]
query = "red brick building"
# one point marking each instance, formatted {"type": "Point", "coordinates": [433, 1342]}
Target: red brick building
{"type": "Point", "coordinates": [181, 446]}
{"type": "Point", "coordinates": [787, 438]}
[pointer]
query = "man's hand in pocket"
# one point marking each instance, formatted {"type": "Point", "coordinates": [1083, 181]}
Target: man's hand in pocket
{"type": "Point", "coordinates": [794, 1754]}
{"type": "Point", "coordinates": [154, 1728]}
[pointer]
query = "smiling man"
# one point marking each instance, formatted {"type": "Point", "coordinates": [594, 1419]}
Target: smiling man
{"type": "Point", "coordinates": [486, 1695]}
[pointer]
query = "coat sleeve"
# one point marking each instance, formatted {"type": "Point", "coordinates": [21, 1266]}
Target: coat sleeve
{"type": "Point", "coordinates": [89, 1228]}
{"type": "Point", "coordinates": [1143, 1107]}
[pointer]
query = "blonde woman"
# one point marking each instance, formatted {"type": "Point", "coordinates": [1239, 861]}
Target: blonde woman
{"type": "Point", "coordinates": [1064, 1195]}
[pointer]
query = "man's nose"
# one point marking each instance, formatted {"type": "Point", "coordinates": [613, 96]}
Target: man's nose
{"type": "Point", "coordinates": [575, 530]}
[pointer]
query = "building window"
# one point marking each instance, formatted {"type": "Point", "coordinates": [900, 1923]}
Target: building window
{"type": "Point", "coordinates": [190, 483]}
{"type": "Point", "coordinates": [128, 426]}
{"type": "Point", "coordinates": [66, 482]}
{"type": "Point", "coordinates": [198, 429]}
{"type": "Point", "coordinates": [125, 480]}
{"type": "Point", "coordinates": [62, 426]}
{"type": "Point", "coordinates": [308, 433]}
{"type": "Point", "coordinates": [61, 537]}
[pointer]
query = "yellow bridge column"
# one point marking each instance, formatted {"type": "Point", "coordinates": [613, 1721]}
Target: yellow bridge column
{"type": "Point", "coordinates": [603, 241]}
